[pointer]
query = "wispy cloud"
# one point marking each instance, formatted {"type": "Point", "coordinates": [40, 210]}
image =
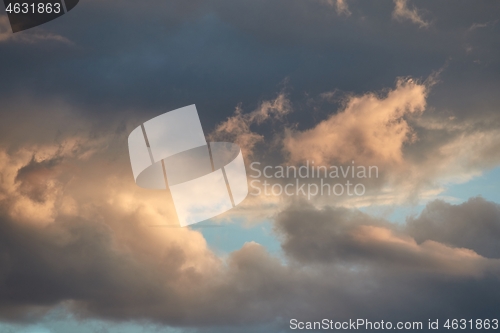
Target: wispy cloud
{"type": "Point", "coordinates": [402, 11]}
{"type": "Point", "coordinates": [341, 6]}
{"type": "Point", "coordinates": [238, 127]}
{"type": "Point", "coordinates": [475, 26]}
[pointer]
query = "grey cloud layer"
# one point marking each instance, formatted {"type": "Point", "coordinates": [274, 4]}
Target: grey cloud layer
{"type": "Point", "coordinates": [162, 56]}
{"type": "Point", "coordinates": [473, 225]}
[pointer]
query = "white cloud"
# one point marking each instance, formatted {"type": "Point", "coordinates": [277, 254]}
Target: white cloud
{"type": "Point", "coordinates": [482, 25]}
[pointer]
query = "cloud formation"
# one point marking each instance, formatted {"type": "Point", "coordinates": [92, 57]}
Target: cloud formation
{"type": "Point", "coordinates": [95, 252]}
{"type": "Point", "coordinates": [418, 153]}
{"type": "Point", "coordinates": [75, 230]}
{"type": "Point", "coordinates": [403, 12]}
{"type": "Point", "coordinates": [369, 128]}
{"type": "Point", "coordinates": [473, 225]}
{"type": "Point", "coordinates": [237, 128]}
{"type": "Point", "coordinates": [104, 261]}
{"type": "Point", "coordinates": [339, 235]}
{"type": "Point", "coordinates": [341, 6]}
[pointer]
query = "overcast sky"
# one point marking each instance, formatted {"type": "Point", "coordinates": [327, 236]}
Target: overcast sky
{"type": "Point", "coordinates": [409, 87]}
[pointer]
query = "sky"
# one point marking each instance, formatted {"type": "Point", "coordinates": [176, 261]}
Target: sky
{"type": "Point", "coordinates": [409, 87]}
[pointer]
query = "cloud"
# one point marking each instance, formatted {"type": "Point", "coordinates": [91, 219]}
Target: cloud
{"type": "Point", "coordinates": [100, 257]}
{"type": "Point", "coordinates": [450, 151]}
{"type": "Point", "coordinates": [237, 128]}
{"type": "Point", "coordinates": [370, 129]}
{"type": "Point", "coordinates": [341, 6]}
{"type": "Point", "coordinates": [403, 12]}
{"type": "Point", "coordinates": [33, 178]}
{"type": "Point", "coordinates": [419, 150]}
{"type": "Point", "coordinates": [80, 243]}
{"type": "Point", "coordinates": [29, 37]}
{"type": "Point", "coordinates": [107, 265]}
{"type": "Point", "coordinates": [346, 236]}
{"type": "Point", "coordinates": [474, 224]}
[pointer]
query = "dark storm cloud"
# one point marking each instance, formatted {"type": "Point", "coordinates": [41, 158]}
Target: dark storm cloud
{"type": "Point", "coordinates": [311, 235]}
{"type": "Point", "coordinates": [394, 275]}
{"type": "Point", "coordinates": [220, 53]}
{"type": "Point", "coordinates": [345, 236]}
{"type": "Point", "coordinates": [44, 267]}
{"type": "Point", "coordinates": [76, 260]}
{"type": "Point", "coordinates": [474, 224]}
